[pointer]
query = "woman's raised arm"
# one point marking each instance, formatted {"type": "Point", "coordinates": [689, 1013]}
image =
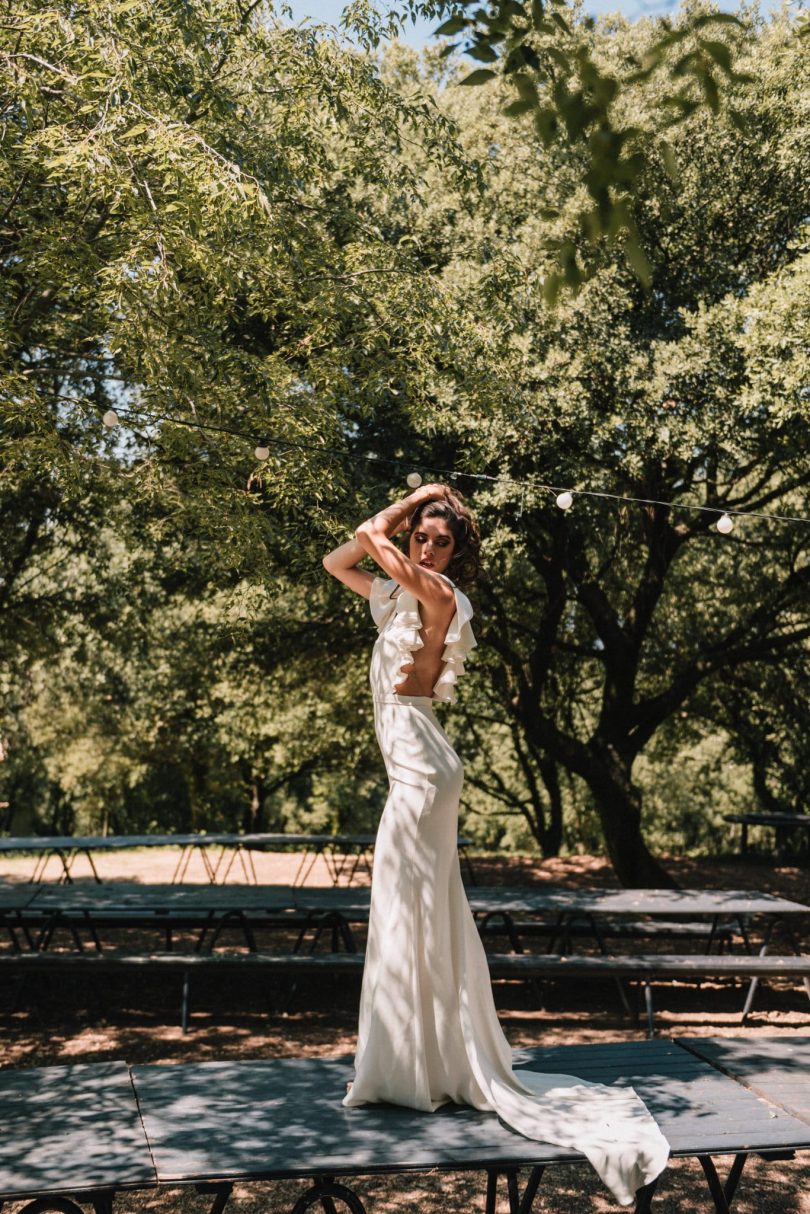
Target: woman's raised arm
{"type": "Point", "coordinates": [342, 563]}
{"type": "Point", "coordinates": [374, 535]}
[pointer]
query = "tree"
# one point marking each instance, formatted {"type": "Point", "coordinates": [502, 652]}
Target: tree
{"type": "Point", "coordinates": [181, 243]}
{"type": "Point", "coordinates": [545, 53]}
{"type": "Point", "coordinates": [609, 619]}
{"type": "Point", "coordinates": [596, 625]}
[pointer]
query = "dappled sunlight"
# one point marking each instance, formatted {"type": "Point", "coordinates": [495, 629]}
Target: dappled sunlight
{"type": "Point", "coordinates": [428, 1030]}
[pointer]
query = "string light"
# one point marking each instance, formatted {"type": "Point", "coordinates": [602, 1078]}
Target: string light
{"type": "Point", "coordinates": [563, 497]}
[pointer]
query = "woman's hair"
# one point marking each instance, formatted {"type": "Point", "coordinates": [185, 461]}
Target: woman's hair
{"type": "Point", "coordinates": [465, 563]}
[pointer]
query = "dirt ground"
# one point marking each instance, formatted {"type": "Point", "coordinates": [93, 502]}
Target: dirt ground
{"type": "Point", "coordinates": [136, 1021]}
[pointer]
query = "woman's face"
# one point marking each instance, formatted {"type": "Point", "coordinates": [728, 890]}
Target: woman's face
{"type": "Point", "coordinates": [431, 544]}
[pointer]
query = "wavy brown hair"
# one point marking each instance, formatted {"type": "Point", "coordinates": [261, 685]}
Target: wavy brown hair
{"type": "Point", "coordinates": [465, 563]}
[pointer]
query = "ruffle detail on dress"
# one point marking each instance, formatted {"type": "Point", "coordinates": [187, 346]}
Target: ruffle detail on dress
{"type": "Point", "coordinates": [400, 615]}
{"type": "Point", "coordinates": [458, 644]}
{"type": "Point", "coordinates": [406, 625]}
{"type": "Point", "coordinates": [380, 601]}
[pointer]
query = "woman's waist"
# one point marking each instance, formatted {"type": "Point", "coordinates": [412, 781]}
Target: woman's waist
{"type": "Point", "coordinates": [390, 697]}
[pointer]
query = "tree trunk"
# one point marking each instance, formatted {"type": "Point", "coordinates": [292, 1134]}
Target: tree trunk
{"type": "Point", "coordinates": [254, 823]}
{"type": "Point", "coordinates": [618, 802]}
{"type": "Point", "coordinates": [549, 835]}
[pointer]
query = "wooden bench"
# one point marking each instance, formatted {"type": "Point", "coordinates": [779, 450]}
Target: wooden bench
{"type": "Point", "coordinates": [644, 968]}
{"type": "Point", "coordinates": [502, 923]}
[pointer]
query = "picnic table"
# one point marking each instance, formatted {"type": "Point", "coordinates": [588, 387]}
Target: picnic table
{"type": "Point", "coordinates": [87, 1132]}
{"type": "Point", "coordinates": [556, 910]}
{"type": "Point", "coordinates": [786, 827]}
{"type": "Point", "coordinates": [344, 854]}
{"type": "Point", "coordinates": [67, 848]}
{"type": "Point", "coordinates": [31, 916]}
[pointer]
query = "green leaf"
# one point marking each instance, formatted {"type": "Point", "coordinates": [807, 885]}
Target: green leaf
{"type": "Point", "coordinates": [685, 64]}
{"type": "Point", "coordinates": [719, 52]}
{"type": "Point", "coordinates": [525, 86]}
{"type": "Point", "coordinates": [483, 52]}
{"type": "Point", "coordinates": [454, 26]}
{"type": "Point", "coordinates": [551, 289]}
{"type": "Point", "coordinates": [739, 121]}
{"type": "Point", "coordinates": [637, 260]}
{"type": "Point", "coordinates": [711, 92]}
{"type": "Point", "coordinates": [670, 160]}
{"type": "Point", "coordinates": [559, 20]}
{"type": "Point", "coordinates": [545, 121]}
{"type": "Point", "coordinates": [479, 76]}
{"type": "Point", "coordinates": [516, 108]}
{"type": "Point", "coordinates": [717, 18]}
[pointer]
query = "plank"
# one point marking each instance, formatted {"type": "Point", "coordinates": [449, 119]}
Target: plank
{"type": "Point", "coordinates": [16, 895]}
{"type": "Point", "coordinates": [70, 1129]}
{"type": "Point", "coordinates": [164, 899]}
{"type": "Point", "coordinates": [355, 902]}
{"type": "Point", "coordinates": [777, 1068]}
{"type": "Point", "coordinates": [691, 903]}
{"type": "Point", "coordinates": [775, 819]}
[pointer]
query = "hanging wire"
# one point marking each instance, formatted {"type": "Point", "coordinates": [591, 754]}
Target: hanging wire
{"type": "Point", "coordinates": [448, 474]}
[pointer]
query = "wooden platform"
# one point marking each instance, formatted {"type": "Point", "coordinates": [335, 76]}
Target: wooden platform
{"type": "Point", "coordinates": [86, 1131]}
{"type": "Point", "coordinates": [776, 1068]}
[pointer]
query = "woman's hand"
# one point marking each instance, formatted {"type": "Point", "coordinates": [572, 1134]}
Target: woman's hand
{"type": "Point", "coordinates": [429, 493]}
{"type": "Point", "coordinates": [419, 497]}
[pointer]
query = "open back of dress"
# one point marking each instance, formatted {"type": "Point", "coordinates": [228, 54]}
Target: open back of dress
{"type": "Point", "coordinates": [429, 1032]}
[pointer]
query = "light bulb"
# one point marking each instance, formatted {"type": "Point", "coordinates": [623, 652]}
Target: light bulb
{"type": "Point", "coordinates": [413, 480]}
{"type": "Point", "coordinates": [262, 453]}
{"type": "Point", "coordinates": [110, 418]}
{"type": "Point", "coordinates": [565, 500]}
{"type": "Point", "coordinates": [725, 524]}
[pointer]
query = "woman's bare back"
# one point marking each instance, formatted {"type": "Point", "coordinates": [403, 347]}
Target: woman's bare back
{"type": "Point", "coordinates": [425, 666]}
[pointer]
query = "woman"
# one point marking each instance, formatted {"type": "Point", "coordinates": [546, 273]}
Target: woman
{"type": "Point", "coordinates": [428, 1030]}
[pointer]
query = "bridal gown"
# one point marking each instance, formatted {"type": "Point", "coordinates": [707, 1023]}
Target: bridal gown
{"type": "Point", "coordinates": [428, 1030]}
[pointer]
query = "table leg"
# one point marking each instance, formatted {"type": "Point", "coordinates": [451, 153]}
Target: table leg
{"type": "Point", "coordinates": [306, 866]}
{"type": "Point", "coordinates": [754, 983]}
{"type": "Point", "coordinates": [246, 861]}
{"type": "Point", "coordinates": [326, 1192]}
{"type": "Point", "coordinates": [723, 1195]}
{"type": "Point", "coordinates": [39, 868]}
{"type": "Point", "coordinates": [332, 865]}
{"type": "Point", "coordinates": [218, 864]}
{"type": "Point", "coordinates": [89, 855]}
{"type": "Point", "coordinates": [211, 872]}
{"type": "Point", "coordinates": [358, 856]}
{"type": "Point", "coordinates": [221, 1190]}
{"type": "Point", "coordinates": [644, 1197]}
{"type": "Point", "coordinates": [184, 1002]}
{"type": "Point", "coordinates": [625, 1002]}
{"type": "Point", "coordinates": [182, 865]}
{"type": "Point", "coordinates": [67, 856]}
{"type": "Point", "coordinates": [57, 1205]}
{"type": "Point", "coordinates": [518, 1203]}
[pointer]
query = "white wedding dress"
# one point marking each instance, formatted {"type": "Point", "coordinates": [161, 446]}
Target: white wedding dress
{"type": "Point", "coordinates": [428, 1031]}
